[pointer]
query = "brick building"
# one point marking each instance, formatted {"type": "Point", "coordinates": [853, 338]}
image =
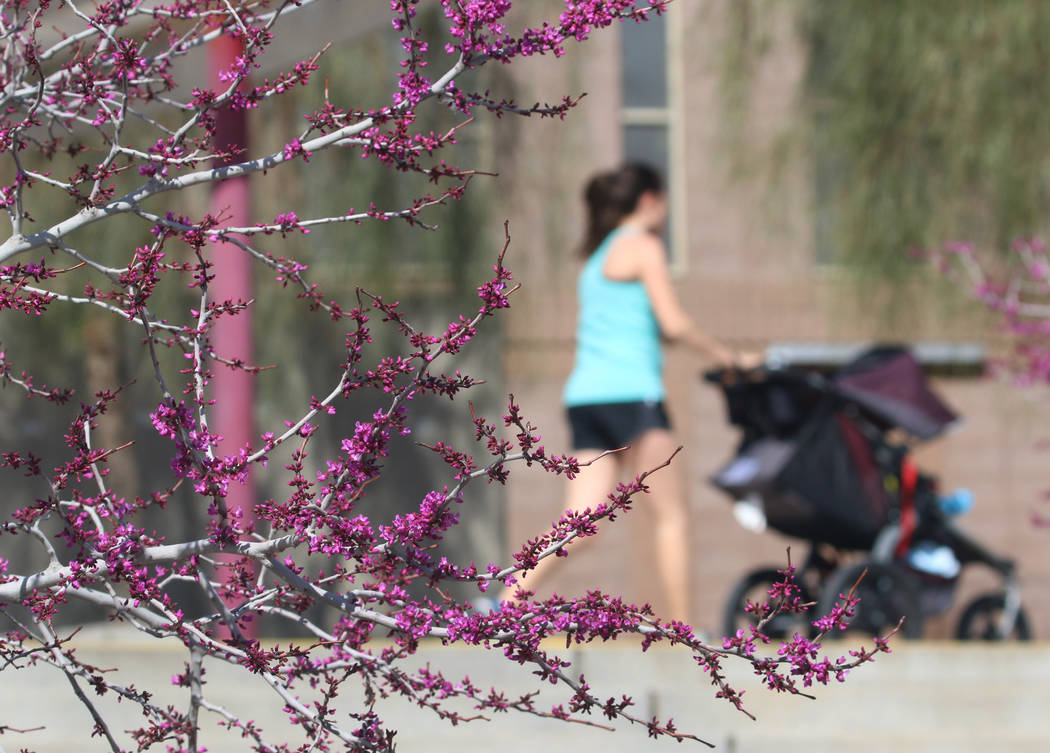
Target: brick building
{"type": "Point", "coordinates": [749, 268]}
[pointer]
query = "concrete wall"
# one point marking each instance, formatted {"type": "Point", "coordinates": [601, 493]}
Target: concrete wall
{"type": "Point", "coordinates": [927, 697]}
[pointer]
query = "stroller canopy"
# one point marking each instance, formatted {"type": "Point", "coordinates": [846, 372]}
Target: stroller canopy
{"type": "Point", "coordinates": [888, 383]}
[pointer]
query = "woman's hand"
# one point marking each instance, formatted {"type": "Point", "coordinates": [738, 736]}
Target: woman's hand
{"type": "Point", "coordinates": [747, 360]}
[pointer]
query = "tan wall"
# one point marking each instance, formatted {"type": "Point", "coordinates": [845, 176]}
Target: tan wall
{"type": "Point", "coordinates": [748, 277]}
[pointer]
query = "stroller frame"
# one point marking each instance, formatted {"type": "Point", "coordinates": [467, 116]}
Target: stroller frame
{"type": "Point", "coordinates": [816, 457]}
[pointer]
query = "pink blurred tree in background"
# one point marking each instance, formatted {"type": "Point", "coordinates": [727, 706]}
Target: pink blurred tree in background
{"type": "Point", "coordinates": [1015, 288]}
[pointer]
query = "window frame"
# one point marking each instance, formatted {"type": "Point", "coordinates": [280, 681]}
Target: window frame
{"type": "Point", "coordinates": [672, 118]}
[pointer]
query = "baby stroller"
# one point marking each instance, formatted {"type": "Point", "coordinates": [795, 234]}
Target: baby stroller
{"type": "Point", "coordinates": [824, 458]}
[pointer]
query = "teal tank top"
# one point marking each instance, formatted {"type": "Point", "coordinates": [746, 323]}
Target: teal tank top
{"type": "Point", "coordinates": [618, 355]}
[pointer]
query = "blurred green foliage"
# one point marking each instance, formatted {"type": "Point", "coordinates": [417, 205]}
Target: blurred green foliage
{"type": "Point", "coordinates": [921, 121]}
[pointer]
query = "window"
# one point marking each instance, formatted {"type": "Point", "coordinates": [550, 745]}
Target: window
{"type": "Point", "coordinates": [652, 111]}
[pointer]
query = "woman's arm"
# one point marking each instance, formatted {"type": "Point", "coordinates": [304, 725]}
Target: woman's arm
{"type": "Point", "coordinates": [649, 259]}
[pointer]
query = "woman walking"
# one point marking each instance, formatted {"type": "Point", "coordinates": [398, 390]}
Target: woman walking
{"type": "Point", "coordinates": [615, 394]}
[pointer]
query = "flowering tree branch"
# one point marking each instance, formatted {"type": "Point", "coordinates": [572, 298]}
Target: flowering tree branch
{"type": "Point", "coordinates": [94, 126]}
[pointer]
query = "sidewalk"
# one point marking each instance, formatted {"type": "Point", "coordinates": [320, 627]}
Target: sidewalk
{"type": "Point", "coordinates": [924, 698]}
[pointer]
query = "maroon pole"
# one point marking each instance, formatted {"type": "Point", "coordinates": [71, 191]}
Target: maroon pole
{"type": "Point", "coordinates": [232, 389]}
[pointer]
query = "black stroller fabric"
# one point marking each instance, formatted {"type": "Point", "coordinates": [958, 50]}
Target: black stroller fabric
{"type": "Point", "coordinates": [778, 406]}
{"type": "Point", "coordinates": [824, 486]}
{"type": "Point", "coordinates": [813, 451]}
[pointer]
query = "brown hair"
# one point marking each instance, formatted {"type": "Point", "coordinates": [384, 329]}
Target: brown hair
{"type": "Point", "coordinates": [611, 196]}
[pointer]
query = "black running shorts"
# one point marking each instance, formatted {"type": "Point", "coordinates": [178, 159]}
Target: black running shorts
{"type": "Point", "coordinates": [610, 426]}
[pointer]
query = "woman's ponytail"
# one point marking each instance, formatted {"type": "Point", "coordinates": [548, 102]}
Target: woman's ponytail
{"type": "Point", "coordinates": [611, 196]}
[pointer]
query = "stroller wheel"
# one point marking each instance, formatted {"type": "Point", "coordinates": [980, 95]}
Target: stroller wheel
{"type": "Point", "coordinates": [886, 594]}
{"type": "Point", "coordinates": [980, 621]}
{"type": "Point", "coordinates": [754, 588]}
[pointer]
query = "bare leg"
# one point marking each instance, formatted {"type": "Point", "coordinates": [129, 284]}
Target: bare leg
{"type": "Point", "coordinates": [590, 487]}
{"type": "Point", "coordinates": [671, 516]}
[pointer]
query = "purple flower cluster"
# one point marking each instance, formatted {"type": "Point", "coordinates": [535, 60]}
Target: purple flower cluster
{"type": "Point", "coordinates": [95, 127]}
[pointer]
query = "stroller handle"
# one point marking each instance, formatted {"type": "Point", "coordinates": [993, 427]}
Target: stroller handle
{"type": "Point", "coordinates": [726, 376]}
{"type": "Point", "coordinates": [732, 374]}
